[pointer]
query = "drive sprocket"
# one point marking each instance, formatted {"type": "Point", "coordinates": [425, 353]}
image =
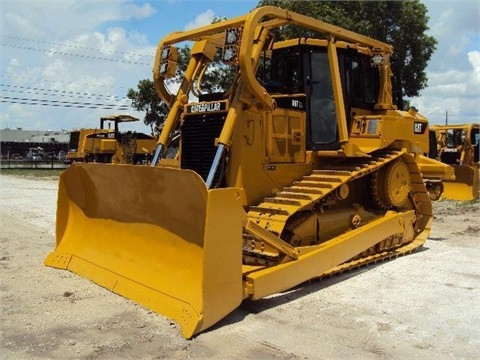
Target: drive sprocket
{"type": "Point", "coordinates": [391, 185]}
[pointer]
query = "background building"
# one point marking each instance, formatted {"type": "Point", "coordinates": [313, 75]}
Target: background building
{"type": "Point", "coordinates": [19, 141]}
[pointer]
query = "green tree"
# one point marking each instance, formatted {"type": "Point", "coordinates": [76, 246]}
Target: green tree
{"type": "Point", "coordinates": [402, 24]}
{"type": "Point", "coordinates": [145, 98]}
{"type": "Point", "coordinates": [217, 78]}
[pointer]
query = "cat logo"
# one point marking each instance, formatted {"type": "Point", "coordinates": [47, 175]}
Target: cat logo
{"type": "Point", "coordinates": [206, 107]}
{"type": "Point", "coordinates": [419, 127]}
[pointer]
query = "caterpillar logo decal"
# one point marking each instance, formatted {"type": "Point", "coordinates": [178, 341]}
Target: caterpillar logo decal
{"type": "Point", "coordinates": [419, 127]}
{"type": "Point", "coordinates": [206, 107]}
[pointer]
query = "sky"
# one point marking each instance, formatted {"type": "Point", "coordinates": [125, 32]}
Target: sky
{"type": "Point", "coordinates": [66, 63]}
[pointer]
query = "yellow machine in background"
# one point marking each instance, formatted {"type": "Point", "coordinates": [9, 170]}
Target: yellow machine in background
{"type": "Point", "coordinates": [107, 145]}
{"type": "Point", "coordinates": [307, 170]}
{"type": "Point", "coordinates": [434, 172]}
{"type": "Point", "coordinates": [458, 146]}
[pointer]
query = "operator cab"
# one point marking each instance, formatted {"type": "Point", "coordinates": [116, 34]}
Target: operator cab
{"type": "Point", "coordinates": [301, 69]}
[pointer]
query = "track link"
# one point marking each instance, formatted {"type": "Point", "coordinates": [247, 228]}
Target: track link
{"type": "Point", "coordinates": [375, 258]}
{"type": "Point", "coordinates": [273, 213]}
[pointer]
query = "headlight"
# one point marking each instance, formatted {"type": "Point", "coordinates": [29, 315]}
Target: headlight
{"type": "Point", "coordinates": [228, 55]}
{"type": "Point", "coordinates": [231, 36]}
{"type": "Point", "coordinates": [163, 67]}
{"type": "Point", "coordinates": [376, 60]}
{"type": "Point", "coordinates": [165, 52]}
{"type": "Point", "coordinates": [168, 61]}
{"type": "Point", "coordinates": [230, 46]}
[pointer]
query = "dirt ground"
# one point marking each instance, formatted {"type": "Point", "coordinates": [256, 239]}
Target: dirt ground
{"type": "Point", "coordinates": [421, 306]}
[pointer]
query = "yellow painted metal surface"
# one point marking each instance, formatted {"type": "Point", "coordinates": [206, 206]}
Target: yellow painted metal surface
{"type": "Point", "coordinates": [393, 128]}
{"type": "Point", "coordinates": [106, 145]}
{"type": "Point", "coordinates": [458, 146]}
{"type": "Point", "coordinates": [431, 168]}
{"type": "Point", "coordinates": [158, 236]}
{"type": "Point", "coordinates": [286, 136]}
{"type": "Point", "coordinates": [174, 247]}
{"type": "Point", "coordinates": [315, 260]}
{"type": "Point", "coordinates": [111, 145]}
{"type": "Point", "coordinates": [465, 187]}
{"type": "Point", "coordinates": [84, 145]}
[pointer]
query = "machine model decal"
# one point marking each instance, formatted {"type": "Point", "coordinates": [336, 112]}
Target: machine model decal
{"type": "Point", "coordinates": [109, 135]}
{"type": "Point", "coordinates": [294, 103]}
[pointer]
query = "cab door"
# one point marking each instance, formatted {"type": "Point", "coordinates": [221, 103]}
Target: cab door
{"type": "Point", "coordinates": [322, 129]}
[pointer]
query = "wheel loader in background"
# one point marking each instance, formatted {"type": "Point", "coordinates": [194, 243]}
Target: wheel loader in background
{"type": "Point", "coordinates": [107, 145]}
{"type": "Point", "coordinates": [458, 146]}
{"type": "Point", "coordinates": [303, 167]}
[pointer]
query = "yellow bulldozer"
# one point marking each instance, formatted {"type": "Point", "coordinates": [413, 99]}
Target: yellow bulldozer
{"type": "Point", "coordinates": [110, 145]}
{"type": "Point", "coordinates": [302, 167]}
{"type": "Point", "coordinates": [458, 146]}
{"type": "Point", "coordinates": [434, 172]}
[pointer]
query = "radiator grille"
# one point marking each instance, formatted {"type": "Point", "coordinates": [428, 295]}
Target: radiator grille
{"type": "Point", "coordinates": [198, 142]}
{"type": "Point", "coordinates": [450, 157]}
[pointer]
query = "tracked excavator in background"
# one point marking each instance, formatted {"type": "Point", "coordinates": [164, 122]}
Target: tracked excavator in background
{"type": "Point", "coordinates": [303, 167]}
{"type": "Point", "coordinates": [110, 145]}
{"type": "Point", "coordinates": [458, 146]}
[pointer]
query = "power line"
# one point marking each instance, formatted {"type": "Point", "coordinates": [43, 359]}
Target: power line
{"type": "Point", "coordinates": [64, 105]}
{"type": "Point", "coordinates": [89, 57]}
{"type": "Point", "coordinates": [57, 103]}
{"type": "Point", "coordinates": [76, 46]}
{"type": "Point", "coordinates": [41, 91]}
{"type": "Point", "coordinates": [56, 95]}
{"type": "Point", "coordinates": [31, 80]}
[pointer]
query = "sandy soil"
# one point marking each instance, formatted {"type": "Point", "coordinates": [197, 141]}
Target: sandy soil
{"type": "Point", "coordinates": [425, 305]}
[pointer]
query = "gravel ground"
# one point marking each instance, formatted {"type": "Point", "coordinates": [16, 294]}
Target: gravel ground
{"type": "Point", "coordinates": [425, 305]}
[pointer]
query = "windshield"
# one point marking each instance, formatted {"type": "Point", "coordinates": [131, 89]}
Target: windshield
{"type": "Point", "coordinates": [285, 76]}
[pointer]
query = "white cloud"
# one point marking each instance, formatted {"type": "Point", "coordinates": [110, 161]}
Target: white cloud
{"type": "Point", "coordinates": [459, 45]}
{"type": "Point", "coordinates": [64, 18]}
{"type": "Point", "coordinates": [58, 52]}
{"type": "Point", "coordinates": [203, 19]}
{"type": "Point", "coordinates": [22, 24]}
{"type": "Point", "coordinates": [80, 47]}
{"type": "Point", "coordinates": [454, 69]}
{"type": "Point", "coordinates": [474, 58]}
{"type": "Point", "coordinates": [143, 12]}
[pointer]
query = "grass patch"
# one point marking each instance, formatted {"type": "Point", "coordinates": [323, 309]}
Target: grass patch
{"type": "Point", "coordinates": [470, 202]}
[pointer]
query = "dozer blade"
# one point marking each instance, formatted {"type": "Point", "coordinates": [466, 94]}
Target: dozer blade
{"type": "Point", "coordinates": [465, 186]}
{"type": "Point", "coordinates": [156, 236]}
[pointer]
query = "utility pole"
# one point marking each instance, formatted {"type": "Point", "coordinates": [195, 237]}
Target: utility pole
{"type": "Point", "coordinates": [446, 117]}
